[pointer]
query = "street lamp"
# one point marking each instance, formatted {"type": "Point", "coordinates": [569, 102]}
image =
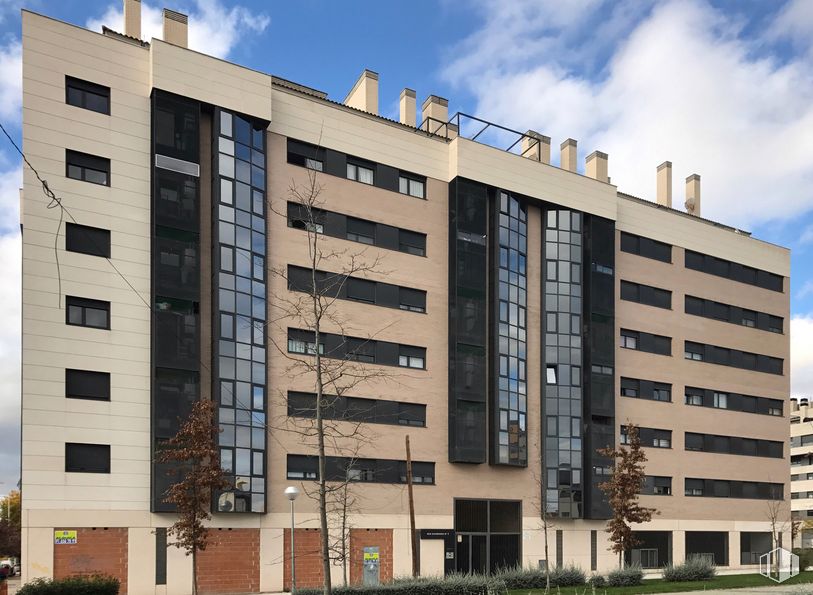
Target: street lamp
{"type": "Point", "coordinates": [291, 493]}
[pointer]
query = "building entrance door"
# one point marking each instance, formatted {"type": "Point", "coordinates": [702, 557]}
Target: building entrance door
{"type": "Point", "coordinates": [472, 553]}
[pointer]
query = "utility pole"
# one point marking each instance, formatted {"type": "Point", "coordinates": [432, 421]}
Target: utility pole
{"type": "Point", "coordinates": [416, 566]}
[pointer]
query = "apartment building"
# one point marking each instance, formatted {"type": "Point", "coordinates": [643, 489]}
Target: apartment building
{"type": "Point", "coordinates": [522, 315]}
{"type": "Point", "coordinates": [801, 469]}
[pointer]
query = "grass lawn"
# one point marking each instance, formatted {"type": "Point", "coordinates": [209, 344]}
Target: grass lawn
{"type": "Point", "coordinates": [732, 581]}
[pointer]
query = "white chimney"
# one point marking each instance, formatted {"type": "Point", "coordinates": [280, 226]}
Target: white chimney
{"type": "Point", "coordinates": [693, 195]}
{"type": "Point", "coordinates": [596, 166]}
{"type": "Point", "coordinates": [535, 146]}
{"type": "Point", "coordinates": [407, 107]}
{"type": "Point", "coordinates": [568, 155]}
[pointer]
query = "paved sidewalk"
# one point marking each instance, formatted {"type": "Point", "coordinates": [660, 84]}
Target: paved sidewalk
{"type": "Point", "coordinates": [805, 589]}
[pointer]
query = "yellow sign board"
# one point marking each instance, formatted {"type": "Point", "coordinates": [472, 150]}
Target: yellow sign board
{"type": "Point", "coordinates": [64, 537]}
{"type": "Point", "coordinates": [370, 556]}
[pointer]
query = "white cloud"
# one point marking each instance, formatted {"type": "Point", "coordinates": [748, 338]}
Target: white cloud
{"type": "Point", "coordinates": [10, 183]}
{"type": "Point", "coordinates": [681, 83]}
{"type": "Point", "coordinates": [213, 28]}
{"type": "Point", "coordinates": [801, 355]}
{"type": "Point", "coordinates": [806, 290]}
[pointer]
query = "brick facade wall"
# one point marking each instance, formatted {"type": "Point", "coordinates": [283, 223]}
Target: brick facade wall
{"type": "Point", "coordinates": [96, 551]}
{"type": "Point", "coordinates": [361, 538]}
{"type": "Point", "coordinates": [308, 559]}
{"type": "Point", "coordinates": [231, 562]}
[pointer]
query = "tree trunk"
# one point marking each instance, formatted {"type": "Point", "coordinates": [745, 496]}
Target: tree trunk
{"type": "Point", "coordinates": [547, 554]}
{"type": "Point", "coordinates": [194, 571]}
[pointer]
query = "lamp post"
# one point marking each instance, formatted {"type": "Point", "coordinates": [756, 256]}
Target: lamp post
{"type": "Point", "coordinates": [291, 493]}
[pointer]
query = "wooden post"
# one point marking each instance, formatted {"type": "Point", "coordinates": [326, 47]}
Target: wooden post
{"type": "Point", "coordinates": [416, 565]}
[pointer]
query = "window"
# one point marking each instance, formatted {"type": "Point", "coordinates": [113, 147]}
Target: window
{"type": "Point", "coordinates": [775, 324]}
{"type": "Point", "coordinates": [361, 231]}
{"type": "Point", "coordinates": [775, 411]}
{"type": "Point", "coordinates": [85, 312]}
{"type": "Point", "coordinates": [302, 467]}
{"type": "Point", "coordinates": [662, 442]}
{"type": "Point", "coordinates": [550, 374]}
{"type": "Point", "coordinates": [646, 294]}
{"type": "Point", "coordinates": [694, 351]}
{"type": "Point", "coordinates": [412, 357]}
{"type": "Point", "coordinates": [87, 240]}
{"type": "Point", "coordinates": [306, 155]}
{"type": "Point", "coordinates": [646, 247]}
{"type": "Point", "coordinates": [694, 487]}
{"type": "Point", "coordinates": [662, 393]}
{"type": "Point", "coordinates": [87, 95]}
{"type": "Point", "coordinates": [412, 242]}
{"type": "Point", "coordinates": [694, 399]}
{"type": "Point", "coordinates": [749, 318]}
{"type": "Point", "coordinates": [361, 289]}
{"type": "Point", "coordinates": [88, 168]}
{"type": "Point", "coordinates": [306, 347]}
{"type": "Point", "coordinates": [630, 387]}
{"type": "Point", "coordinates": [360, 173]}
{"type": "Point", "coordinates": [721, 400]}
{"type": "Point", "coordinates": [629, 339]}
{"type": "Point", "coordinates": [314, 164]}
{"type": "Point", "coordinates": [87, 458]}
{"type": "Point", "coordinates": [603, 269]}
{"type": "Point", "coordinates": [85, 384]}
{"type": "Point", "coordinates": [733, 314]}
{"type": "Point", "coordinates": [412, 186]}
{"type": "Point", "coordinates": [600, 369]}
{"type": "Point", "coordinates": [413, 300]}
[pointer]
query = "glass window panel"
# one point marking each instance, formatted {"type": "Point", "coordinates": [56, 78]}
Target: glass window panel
{"type": "Point", "coordinates": [226, 166]}
{"type": "Point", "coordinates": [258, 463]}
{"type": "Point", "coordinates": [243, 171]}
{"type": "Point", "coordinates": [258, 202]}
{"type": "Point", "coordinates": [226, 146]}
{"type": "Point", "coordinates": [226, 191]}
{"type": "Point", "coordinates": [242, 464]}
{"type": "Point", "coordinates": [225, 123]}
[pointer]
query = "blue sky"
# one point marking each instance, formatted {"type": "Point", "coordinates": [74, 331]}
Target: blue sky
{"type": "Point", "coordinates": [723, 88]}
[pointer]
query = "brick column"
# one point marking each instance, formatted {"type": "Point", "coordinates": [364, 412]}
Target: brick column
{"type": "Point", "coordinates": [96, 551]}
{"type": "Point", "coordinates": [231, 562]}
{"type": "Point", "coordinates": [308, 559]}
{"type": "Point", "coordinates": [361, 538]}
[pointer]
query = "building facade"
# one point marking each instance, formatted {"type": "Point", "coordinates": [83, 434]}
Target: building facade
{"type": "Point", "coordinates": [520, 315]}
{"type": "Point", "coordinates": [801, 470]}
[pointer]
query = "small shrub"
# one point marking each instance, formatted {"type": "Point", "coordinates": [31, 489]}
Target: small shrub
{"type": "Point", "coordinates": [629, 576]}
{"type": "Point", "coordinates": [693, 569]}
{"type": "Point", "coordinates": [567, 576]}
{"type": "Point", "coordinates": [597, 581]}
{"type": "Point", "coordinates": [78, 585]}
{"type": "Point", "coordinates": [463, 584]}
{"type": "Point", "coordinates": [805, 557]}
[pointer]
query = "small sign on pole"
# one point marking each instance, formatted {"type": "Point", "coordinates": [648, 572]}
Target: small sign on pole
{"type": "Point", "coordinates": [65, 537]}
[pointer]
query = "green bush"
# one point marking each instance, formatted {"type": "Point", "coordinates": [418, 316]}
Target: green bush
{"type": "Point", "coordinates": [693, 569]}
{"type": "Point", "coordinates": [629, 576]}
{"type": "Point", "coordinates": [79, 585]}
{"type": "Point", "coordinates": [468, 584]}
{"type": "Point", "coordinates": [805, 557]}
{"type": "Point", "coordinates": [463, 584]}
{"type": "Point", "coordinates": [598, 581]}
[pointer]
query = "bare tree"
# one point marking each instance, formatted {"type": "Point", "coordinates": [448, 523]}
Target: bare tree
{"type": "Point", "coordinates": [194, 452]}
{"type": "Point", "coordinates": [311, 309]}
{"type": "Point", "coordinates": [546, 523]}
{"type": "Point", "coordinates": [778, 514]}
{"type": "Point", "coordinates": [622, 491]}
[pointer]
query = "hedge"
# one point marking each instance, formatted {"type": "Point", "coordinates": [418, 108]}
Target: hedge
{"type": "Point", "coordinates": [80, 585]}
{"type": "Point", "coordinates": [693, 569]}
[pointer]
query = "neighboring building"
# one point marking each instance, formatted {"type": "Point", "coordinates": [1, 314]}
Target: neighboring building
{"type": "Point", "coordinates": [538, 311]}
{"type": "Point", "coordinates": [801, 469]}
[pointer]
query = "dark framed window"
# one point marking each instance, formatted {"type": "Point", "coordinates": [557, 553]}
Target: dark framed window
{"type": "Point", "coordinates": [359, 230]}
{"type": "Point", "coordinates": [735, 358]}
{"type": "Point", "coordinates": [87, 95]}
{"type": "Point", "coordinates": [694, 351]}
{"type": "Point", "coordinates": [86, 384]}
{"type": "Point", "coordinates": [646, 294]}
{"type": "Point", "coordinates": [412, 185]}
{"type": "Point", "coordinates": [306, 155]}
{"type": "Point", "coordinates": [412, 357]}
{"type": "Point", "coordinates": [87, 240]}
{"type": "Point", "coordinates": [413, 300]}
{"type": "Point", "coordinates": [629, 339]}
{"type": "Point", "coordinates": [87, 458]}
{"type": "Point", "coordinates": [87, 168]}
{"type": "Point", "coordinates": [733, 314]}
{"type": "Point", "coordinates": [361, 289]}
{"type": "Point", "coordinates": [735, 271]}
{"type": "Point", "coordinates": [359, 470]}
{"type": "Point", "coordinates": [646, 247]}
{"type": "Point", "coordinates": [412, 242]}
{"type": "Point", "coordinates": [361, 172]}
{"type": "Point", "coordinates": [85, 312]}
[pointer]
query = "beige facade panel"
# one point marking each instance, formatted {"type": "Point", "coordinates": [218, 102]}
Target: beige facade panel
{"type": "Point", "coordinates": [486, 164]}
{"type": "Point", "coordinates": [191, 74]}
{"type": "Point", "coordinates": [357, 134]}
{"type": "Point", "coordinates": [682, 230]}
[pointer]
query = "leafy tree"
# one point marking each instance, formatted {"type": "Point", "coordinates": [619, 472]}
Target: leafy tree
{"type": "Point", "coordinates": [622, 491]}
{"type": "Point", "coordinates": [193, 451]}
{"type": "Point", "coordinates": [10, 525]}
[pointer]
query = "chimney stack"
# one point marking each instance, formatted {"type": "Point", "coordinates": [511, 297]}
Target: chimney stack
{"type": "Point", "coordinates": [596, 166]}
{"type": "Point", "coordinates": [436, 108]}
{"type": "Point", "coordinates": [693, 195]}
{"type": "Point", "coordinates": [568, 155]}
{"type": "Point", "coordinates": [535, 146]}
{"type": "Point", "coordinates": [664, 196]}
{"type": "Point", "coordinates": [176, 28]}
{"type": "Point", "coordinates": [407, 107]}
{"type": "Point", "coordinates": [132, 18]}
{"type": "Point", "coordinates": [364, 94]}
